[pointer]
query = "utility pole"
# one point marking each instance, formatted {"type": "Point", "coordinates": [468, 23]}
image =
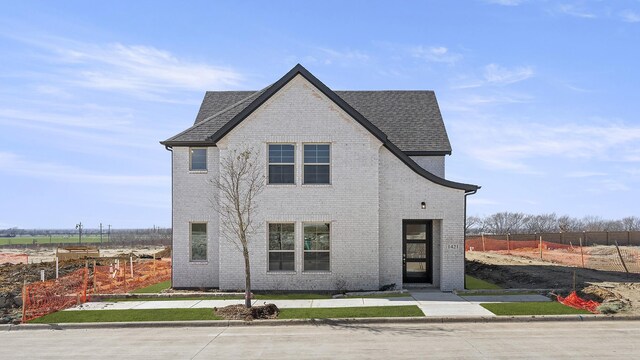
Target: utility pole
{"type": "Point", "coordinates": [100, 233]}
{"type": "Point", "coordinates": [109, 234]}
{"type": "Point", "coordinates": [79, 227]}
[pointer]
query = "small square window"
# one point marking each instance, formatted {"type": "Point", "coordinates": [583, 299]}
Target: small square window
{"type": "Point", "coordinates": [198, 159]}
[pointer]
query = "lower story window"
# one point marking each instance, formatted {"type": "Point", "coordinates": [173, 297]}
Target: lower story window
{"type": "Point", "coordinates": [281, 247]}
{"type": "Point", "coordinates": [198, 241]}
{"type": "Point", "coordinates": [317, 254]}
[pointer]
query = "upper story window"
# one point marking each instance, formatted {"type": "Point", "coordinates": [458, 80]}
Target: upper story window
{"type": "Point", "coordinates": [281, 164]}
{"type": "Point", "coordinates": [198, 159]}
{"type": "Point", "coordinates": [317, 163]}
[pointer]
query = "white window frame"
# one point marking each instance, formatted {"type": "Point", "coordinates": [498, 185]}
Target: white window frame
{"type": "Point", "coordinates": [206, 253]}
{"type": "Point", "coordinates": [304, 251]}
{"type": "Point", "coordinates": [329, 163]}
{"type": "Point", "coordinates": [206, 160]}
{"type": "Point", "coordinates": [268, 178]}
{"type": "Point", "coordinates": [269, 251]}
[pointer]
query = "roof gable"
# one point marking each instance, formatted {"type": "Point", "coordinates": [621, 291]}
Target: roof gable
{"type": "Point", "coordinates": [235, 113]}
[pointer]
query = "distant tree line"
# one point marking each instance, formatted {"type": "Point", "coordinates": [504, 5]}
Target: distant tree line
{"type": "Point", "coordinates": [519, 223]}
{"type": "Point", "coordinates": [116, 234]}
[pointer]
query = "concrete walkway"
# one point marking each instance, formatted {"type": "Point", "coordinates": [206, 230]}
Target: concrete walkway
{"type": "Point", "coordinates": [433, 303]}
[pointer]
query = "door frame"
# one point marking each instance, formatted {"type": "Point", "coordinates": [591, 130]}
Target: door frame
{"type": "Point", "coordinates": [429, 244]}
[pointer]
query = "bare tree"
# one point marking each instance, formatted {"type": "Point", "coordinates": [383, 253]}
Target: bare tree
{"type": "Point", "coordinates": [540, 223]}
{"type": "Point", "coordinates": [474, 225]}
{"type": "Point", "coordinates": [505, 222]}
{"type": "Point", "coordinates": [631, 223]}
{"type": "Point", "coordinates": [241, 180]}
{"type": "Point", "coordinates": [567, 223]}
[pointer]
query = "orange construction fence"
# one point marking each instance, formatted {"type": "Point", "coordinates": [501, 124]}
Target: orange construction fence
{"type": "Point", "coordinates": [576, 302]}
{"type": "Point", "coordinates": [121, 276]}
{"type": "Point", "coordinates": [12, 258]}
{"type": "Point", "coordinates": [606, 258]}
{"type": "Point", "coordinates": [42, 298]}
{"type": "Point", "coordinates": [124, 276]}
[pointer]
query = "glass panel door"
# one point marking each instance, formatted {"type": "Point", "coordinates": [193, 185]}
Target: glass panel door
{"type": "Point", "coordinates": [417, 251]}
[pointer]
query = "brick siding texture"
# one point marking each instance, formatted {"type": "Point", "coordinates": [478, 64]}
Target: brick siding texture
{"type": "Point", "coordinates": [371, 192]}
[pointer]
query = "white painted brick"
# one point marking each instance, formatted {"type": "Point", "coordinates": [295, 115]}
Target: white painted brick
{"type": "Point", "coordinates": [371, 192]}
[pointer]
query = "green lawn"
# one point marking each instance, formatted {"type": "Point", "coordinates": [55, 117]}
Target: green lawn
{"type": "Point", "coordinates": [498, 293]}
{"type": "Point", "coordinates": [379, 296]}
{"type": "Point", "coordinates": [351, 312]}
{"type": "Point", "coordinates": [155, 288]}
{"type": "Point", "coordinates": [22, 240]}
{"type": "Point", "coordinates": [83, 316]}
{"type": "Point", "coordinates": [304, 296]}
{"type": "Point", "coordinates": [531, 308]}
{"type": "Point", "coordinates": [477, 284]}
{"type": "Point", "coordinates": [226, 297]}
{"type": "Point", "coordinates": [292, 296]}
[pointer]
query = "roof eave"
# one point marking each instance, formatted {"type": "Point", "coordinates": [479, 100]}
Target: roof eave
{"type": "Point", "coordinates": [187, 143]}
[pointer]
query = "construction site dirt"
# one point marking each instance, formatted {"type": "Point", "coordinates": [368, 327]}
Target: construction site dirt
{"type": "Point", "coordinates": [42, 262]}
{"type": "Point", "coordinates": [619, 289]}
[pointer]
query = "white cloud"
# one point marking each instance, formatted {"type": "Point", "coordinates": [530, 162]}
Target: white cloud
{"type": "Point", "coordinates": [575, 11]}
{"type": "Point", "coordinates": [630, 16]}
{"type": "Point", "coordinates": [505, 2]}
{"type": "Point", "coordinates": [516, 146]}
{"type": "Point", "coordinates": [496, 74]}
{"type": "Point", "coordinates": [435, 54]}
{"type": "Point", "coordinates": [609, 185]}
{"type": "Point", "coordinates": [584, 174]}
{"type": "Point", "coordinates": [82, 119]}
{"type": "Point", "coordinates": [329, 56]}
{"type": "Point", "coordinates": [135, 69]}
{"type": "Point", "coordinates": [14, 164]}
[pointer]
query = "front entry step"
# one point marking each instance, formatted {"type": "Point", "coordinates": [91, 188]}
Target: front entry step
{"type": "Point", "coordinates": [419, 286]}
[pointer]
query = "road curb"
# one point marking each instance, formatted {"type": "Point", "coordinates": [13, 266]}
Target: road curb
{"type": "Point", "coordinates": [316, 322]}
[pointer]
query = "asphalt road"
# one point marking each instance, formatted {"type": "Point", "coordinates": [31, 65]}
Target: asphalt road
{"type": "Point", "coordinates": [543, 340]}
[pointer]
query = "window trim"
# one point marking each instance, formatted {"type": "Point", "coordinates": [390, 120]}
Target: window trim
{"type": "Point", "coordinates": [329, 164]}
{"type": "Point", "coordinates": [268, 180]}
{"type": "Point", "coordinates": [206, 159]}
{"type": "Point", "coordinates": [282, 251]}
{"type": "Point", "coordinates": [317, 251]}
{"type": "Point", "coordinates": [206, 253]}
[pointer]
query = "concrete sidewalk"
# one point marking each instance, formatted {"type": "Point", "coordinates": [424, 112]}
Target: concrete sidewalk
{"type": "Point", "coordinates": [433, 303]}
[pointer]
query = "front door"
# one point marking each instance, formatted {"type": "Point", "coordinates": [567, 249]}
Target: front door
{"type": "Point", "coordinates": [417, 251]}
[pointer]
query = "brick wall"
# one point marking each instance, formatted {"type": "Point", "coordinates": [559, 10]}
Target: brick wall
{"type": "Point", "coordinates": [401, 193]}
{"type": "Point", "coordinates": [299, 114]}
{"type": "Point", "coordinates": [192, 193]}
{"type": "Point", "coordinates": [433, 164]}
{"type": "Point", "coordinates": [371, 192]}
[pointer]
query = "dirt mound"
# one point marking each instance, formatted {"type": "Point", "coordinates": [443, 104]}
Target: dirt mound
{"type": "Point", "coordinates": [240, 312]}
{"type": "Point", "coordinates": [619, 292]}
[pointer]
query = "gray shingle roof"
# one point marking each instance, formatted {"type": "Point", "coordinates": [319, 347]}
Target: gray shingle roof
{"type": "Point", "coordinates": [216, 101]}
{"type": "Point", "coordinates": [407, 116]}
{"type": "Point", "coordinates": [213, 116]}
{"type": "Point", "coordinates": [410, 119]}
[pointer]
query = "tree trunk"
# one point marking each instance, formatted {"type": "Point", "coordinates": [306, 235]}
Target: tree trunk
{"type": "Point", "coordinates": [247, 276]}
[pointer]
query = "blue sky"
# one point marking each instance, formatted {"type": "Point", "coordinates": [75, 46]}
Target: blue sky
{"type": "Point", "coordinates": [540, 98]}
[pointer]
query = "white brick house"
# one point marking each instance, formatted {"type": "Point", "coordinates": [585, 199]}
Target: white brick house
{"type": "Point", "coordinates": [354, 197]}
